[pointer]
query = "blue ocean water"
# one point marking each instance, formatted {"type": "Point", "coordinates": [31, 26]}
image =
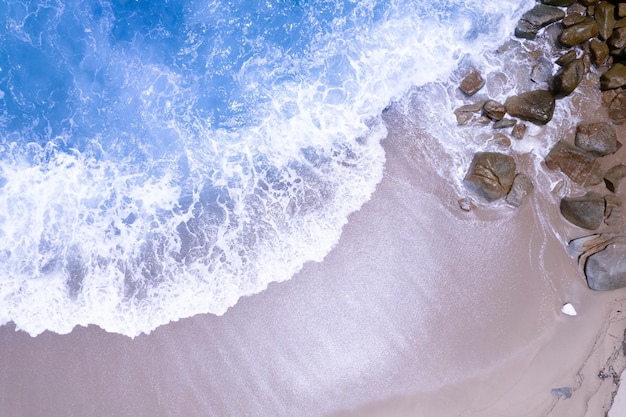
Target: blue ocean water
{"type": "Point", "coordinates": [160, 159]}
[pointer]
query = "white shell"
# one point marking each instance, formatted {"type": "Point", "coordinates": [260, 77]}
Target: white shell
{"type": "Point", "coordinates": [568, 309]}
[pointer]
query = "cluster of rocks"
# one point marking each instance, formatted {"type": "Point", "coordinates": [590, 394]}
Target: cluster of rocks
{"type": "Point", "coordinates": [595, 33]}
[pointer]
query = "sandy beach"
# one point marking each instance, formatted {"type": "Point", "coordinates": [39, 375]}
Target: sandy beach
{"type": "Point", "coordinates": [421, 309]}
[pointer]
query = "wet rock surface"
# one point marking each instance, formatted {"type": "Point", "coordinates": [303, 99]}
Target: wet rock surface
{"type": "Point", "coordinates": [490, 175]}
{"type": "Point", "coordinates": [579, 166]}
{"type": "Point", "coordinates": [586, 211]}
{"type": "Point", "coordinates": [533, 106]}
{"type": "Point", "coordinates": [599, 139]}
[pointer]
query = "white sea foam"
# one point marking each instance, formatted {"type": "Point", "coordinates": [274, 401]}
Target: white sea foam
{"type": "Point", "coordinates": [92, 240]}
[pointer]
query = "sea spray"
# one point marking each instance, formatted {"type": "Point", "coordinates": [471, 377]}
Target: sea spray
{"type": "Point", "coordinates": [160, 162]}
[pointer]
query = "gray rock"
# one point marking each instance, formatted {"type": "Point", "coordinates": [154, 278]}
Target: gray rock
{"type": "Point", "coordinates": [538, 17]}
{"type": "Point", "coordinates": [606, 270]}
{"type": "Point", "coordinates": [599, 139]}
{"type": "Point", "coordinates": [579, 33]}
{"type": "Point", "coordinates": [578, 165]}
{"type": "Point", "coordinates": [603, 258]}
{"type": "Point", "coordinates": [522, 186]}
{"type": "Point", "coordinates": [586, 211]}
{"type": "Point", "coordinates": [614, 77]}
{"type": "Point", "coordinates": [614, 176]}
{"type": "Point", "coordinates": [541, 72]}
{"type": "Point", "coordinates": [519, 130]}
{"type": "Point", "coordinates": [605, 18]}
{"type": "Point", "coordinates": [534, 106]}
{"type": "Point", "coordinates": [472, 83]}
{"type": "Point", "coordinates": [613, 210]}
{"type": "Point", "coordinates": [564, 392]}
{"type": "Point", "coordinates": [494, 110]}
{"type": "Point", "coordinates": [504, 123]}
{"type": "Point", "coordinates": [566, 81]}
{"type": "Point", "coordinates": [490, 175]}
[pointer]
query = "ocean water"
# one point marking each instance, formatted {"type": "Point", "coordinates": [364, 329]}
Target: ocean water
{"type": "Point", "coordinates": [161, 159]}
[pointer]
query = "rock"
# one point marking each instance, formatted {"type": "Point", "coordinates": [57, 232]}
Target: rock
{"type": "Point", "coordinates": [542, 71]}
{"type": "Point", "coordinates": [586, 211]}
{"type": "Point", "coordinates": [614, 176]}
{"type": "Point", "coordinates": [605, 18]}
{"type": "Point", "coordinates": [494, 110]}
{"type": "Point", "coordinates": [466, 204]}
{"type": "Point", "coordinates": [501, 140]}
{"type": "Point", "coordinates": [599, 139]}
{"type": "Point", "coordinates": [606, 270]}
{"type": "Point", "coordinates": [620, 23]}
{"type": "Point", "coordinates": [573, 19]}
{"type": "Point", "coordinates": [490, 175]}
{"type": "Point", "coordinates": [621, 10]}
{"type": "Point", "coordinates": [560, 3]}
{"type": "Point", "coordinates": [534, 106]}
{"type": "Point", "coordinates": [617, 42]}
{"type": "Point", "coordinates": [472, 83]}
{"type": "Point", "coordinates": [519, 130]}
{"type": "Point", "coordinates": [566, 58]}
{"type": "Point", "coordinates": [589, 2]}
{"type": "Point", "coordinates": [537, 18]}
{"type": "Point", "coordinates": [614, 77]}
{"type": "Point", "coordinates": [568, 309]}
{"type": "Point", "coordinates": [504, 123]}
{"type": "Point", "coordinates": [578, 165]}
{"type": "Point", "coordinates": [578, 33]}
{"type": "Point", "coordinates": [617, 108]}
{"type": "Point", "coordinates": [566, 81]}
{"type": "Point", "coordinates": [599, 52]}
{"type": "Point", "coordinates": [465, 113]}
{"type": "Point", "coordinates": [612, 210]}
{"type": "Point", "coordinates": [603, 258]}
{"type": "Point", "coordinates": [522, 186]}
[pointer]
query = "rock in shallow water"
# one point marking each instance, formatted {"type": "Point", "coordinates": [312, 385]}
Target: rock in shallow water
{"type": "Point", "coordinates": [566, 81]}
{"type": "Point", "coordinates": [490, 175]}
{"type": "Point", "coordinates": [472, 83]}
{"type": "Point", "coordinates": [599, 139]}
{"type": "Point", "coordinates": [539, 16]}
{"type": "Point", "coordinates": [534, 106]}
{"type": "Point", "coordinates": [578, 165]}
{"type": "Point", "coordinates": [522, 186]}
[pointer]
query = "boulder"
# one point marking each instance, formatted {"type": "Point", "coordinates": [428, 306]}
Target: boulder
{"type": "Point", "coordinates": [599, 52]}
{"type": "Point", "coordinates": [490, 175]}
{"type": "Point", "coordinates": [599, 139]}
{"type": "Point", "coordinates": [586, 211]}
{"type": "Point", "coordinates": [566, 80]}
{"type": "Point", "coordinates": [603, 258]}
{"type": "Point", "coordinates": [614, 176]}
{"type": "Point", "coordinates": [494, 110]}
{"type": "Point", "coordinates": [617, 108]}
{"type": "Point", "coordinates": [522, 186]}
{"type": "Point", "coordinates": [605, 18]}
{"type": "Point", "coordinates": [560, 3]}
{"type": "Point", "coordinates": [534, 106]}
{"type": "Point", "coordinates": [472, 83]}
{"type": "Point", "coordinates": [617, 42]}
{"type": "Point", "coordinates": [578, 33]}
{"type": "Point", "coordinates": [536, 18]}
{"type": "Point", "coordinates": [614, 77]}
{"type": "Point", "coordinates": [578, 165]}
{"type": "Point", "coordinates": [621, 10]}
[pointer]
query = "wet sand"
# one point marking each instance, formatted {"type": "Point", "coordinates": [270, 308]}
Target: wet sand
{"type": "Point", "coordinates": [421, 309]}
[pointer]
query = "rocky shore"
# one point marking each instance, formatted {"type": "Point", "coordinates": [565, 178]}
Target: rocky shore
{"type": "Point", "coordinates": [590, 46]}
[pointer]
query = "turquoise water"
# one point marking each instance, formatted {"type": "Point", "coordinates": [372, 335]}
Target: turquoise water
{"type": "Point", "coordinates": [163, 159]}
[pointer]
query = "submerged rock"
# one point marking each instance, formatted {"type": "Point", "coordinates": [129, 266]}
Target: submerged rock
{"type": "Point", "coordinates": [614, 176]}
{"type": "Point", "coordinates": [494, 110]}
{"type": "Point", "coordinates": [522, 186]}
{"type": "Point", "coordinates": [603, 258]}
{"type": "Point", "coordinates": [614, 77]}
{"type": "Point", "coordinates": [472, 83]}
{"type": "Point", "coordinates": [599, 139]}
{"type": "Point", "coordinates": [465, 113]}
{"type": "Point", "coordinates": [564, 392]}
{"type": "Point", "coordinates": [504, 123]}
{"type": "Point", "coordinates": [536, 18]}
{"type": "Point", "coordinates": [578, 165]}
{"type": "Point", "coordinates": [586, 211]}
{"type": "Point", "coordinates": [534, 106]}
{"type": "Point", "coordinates": [519, 130]}
{"type": "Point", "coordinates": [490, 175]}
{"type": "Point", "coordinates": [578, 33]}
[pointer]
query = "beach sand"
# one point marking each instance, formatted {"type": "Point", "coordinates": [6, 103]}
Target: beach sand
{"type": "Point", "coordinates": [421, 309]}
